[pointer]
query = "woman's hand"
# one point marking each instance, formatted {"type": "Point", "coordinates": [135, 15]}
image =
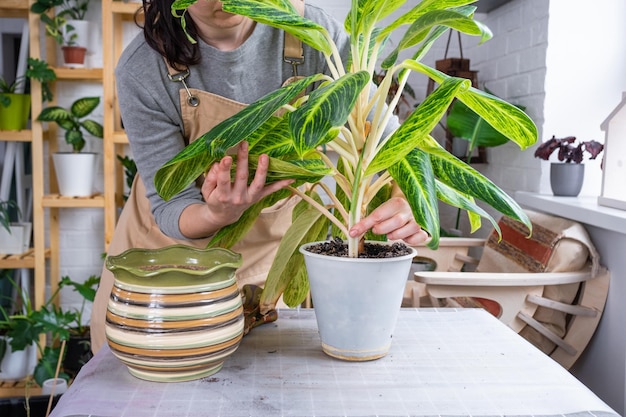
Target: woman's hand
{"type": "Point", "coordinates": [226, 199]}
{"type": "Point", "coordinates": [394, 219]}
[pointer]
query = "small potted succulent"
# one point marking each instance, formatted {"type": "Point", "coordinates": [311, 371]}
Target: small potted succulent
{"type": "Point", "coordinates": [567, 175]}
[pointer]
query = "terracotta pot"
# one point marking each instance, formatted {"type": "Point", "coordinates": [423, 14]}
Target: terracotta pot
{"type": "Point", "coordinates": [356, 302]}
{"type": "Point", "coordinates": [74, 56]}
{"type": "Point", "coordinates": [175, 314]}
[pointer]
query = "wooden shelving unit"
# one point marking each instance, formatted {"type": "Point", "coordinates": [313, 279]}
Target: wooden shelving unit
{"type": "Point", "coordinates": [114, 14]}
{"type": "Point", "coordinates": [39, 258]}
{"type": "Point", "coordinates": [35, 258]}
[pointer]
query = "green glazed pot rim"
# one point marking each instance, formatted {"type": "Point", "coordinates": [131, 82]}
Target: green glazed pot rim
{"type": "Point", "coordinates": [171, 258]}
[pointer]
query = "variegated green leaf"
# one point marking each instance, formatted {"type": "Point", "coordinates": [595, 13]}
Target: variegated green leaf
{"type": "Point", "coordinates": [461, 176]}
{"type": "Point", "coordinates": [436, 33]}
{"type": "Point", "coordinates": [227, 236]}
{"type": "Point", "coordinates": [421, 8]}
{"type": "Point", "coordinates": [182, 170]}
{"type": "Point", "coordinates": [326, 111]}
{"type": "Point", "coordinates": [506, 118]}
{"type": "Point", "coordinates": [414, 175]}
{"type": "Point", "coordinates": [420, 28]}
{"type": "Point", "coordinates": [308, 170]}
{"type": "Point", "coordinates": [458, 199]}
{"type": "Point", "coordinates": [298, 287]}
{"type": "Point", "coordinates": [272, 138]}
{"type": "Point", "coordinates": [83, 106]}
{"type": "Point", "coordinates": [93, 127]}
{"type": "Point", "coordinates": [281, 14]}
{"type": "Point", "coordinates": [54, 114]}
{"type": "Point", "coordinates": [237, 128]}
{"type": "Point", "coordinates": [417, 126]}
{"type": "Point", "coordinates": [306, 226]}
{"type": "Point", "coordinates": [369, 12]}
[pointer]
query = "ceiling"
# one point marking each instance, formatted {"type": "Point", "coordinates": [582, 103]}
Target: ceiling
{"type": "Point", "coordinates": [485, 6]}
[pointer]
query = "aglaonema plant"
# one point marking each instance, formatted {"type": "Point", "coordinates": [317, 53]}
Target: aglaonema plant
{"type": "Point", "coordinates": [343, 114]}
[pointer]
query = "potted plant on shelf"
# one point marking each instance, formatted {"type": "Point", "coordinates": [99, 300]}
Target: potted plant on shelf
{"type": "Point", "coordinates": [567, 176]}
{"type": "Point", "coordinates": [335, 115]}
{"type": "Point", "coordinates": [15, 363]}
{"type": "Point", "coordinates": [75, 170]}
{"type": "Point", "coordinates": [68, 27]}
{"type": "Point", "coordinates": [14, 235]}
{"type": "Point", "coordinates": [15, 101]}
{"type": "Point", "coordinates": [25, 327]}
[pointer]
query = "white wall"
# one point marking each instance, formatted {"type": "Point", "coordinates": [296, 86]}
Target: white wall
{"type": "Point", "coordinates": [586, 74]}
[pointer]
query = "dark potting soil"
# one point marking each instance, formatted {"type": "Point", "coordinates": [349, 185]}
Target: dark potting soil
{"type": "Point", "coordinates": [337, 247]}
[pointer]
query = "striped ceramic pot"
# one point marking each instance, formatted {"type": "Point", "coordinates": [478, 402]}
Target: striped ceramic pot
{"type": "Point", "coordinates": [175, 314]}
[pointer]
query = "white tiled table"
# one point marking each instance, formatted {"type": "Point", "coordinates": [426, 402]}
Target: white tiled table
{"type": "Point", "coordinates": [442, 362]}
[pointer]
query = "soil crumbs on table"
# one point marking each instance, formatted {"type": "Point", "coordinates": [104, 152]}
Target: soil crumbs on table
{"type": "Point", "coordinates": [339, 248]}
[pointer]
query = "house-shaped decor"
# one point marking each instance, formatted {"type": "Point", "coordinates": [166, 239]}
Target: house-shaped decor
{"type": "Point", "coordinates": [614, 162]}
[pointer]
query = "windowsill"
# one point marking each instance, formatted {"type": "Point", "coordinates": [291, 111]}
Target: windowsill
{"type": "Point", "coordinates": [582, 209]}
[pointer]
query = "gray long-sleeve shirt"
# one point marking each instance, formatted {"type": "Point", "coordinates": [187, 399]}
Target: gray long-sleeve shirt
{"type": "Point", "coordinates": [149, 100]}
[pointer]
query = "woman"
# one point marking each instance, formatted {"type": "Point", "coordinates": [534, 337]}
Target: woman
{"type": "Point", "coordinates": [170, 92]}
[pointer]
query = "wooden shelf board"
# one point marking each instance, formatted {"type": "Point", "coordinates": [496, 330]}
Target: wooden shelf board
{"type": "Point", "coordinates": [120, 137]}
{"type": "Point", "coordinates": [78, 74]}
{"type": "Point", "coordinates": [22, 260]}
{"type": "Point", "coordinates": [56, 200]}
{"type": "Point", "coordinates": [16, 135]}
{"type": "Point", "coordinates": [129, 7]}
{"type": "Point", "coordinates": [17, 389]}
{"type": "Point", "coordinates": [14, 8]}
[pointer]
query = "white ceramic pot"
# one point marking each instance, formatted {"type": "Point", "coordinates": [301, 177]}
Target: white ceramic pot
{"type": "Point", "coordinates": [356, 302]}
{"type": "Point", "coordinates": [75, 173]}
{"type": "Point", "coordinates": [17, 241]}
{"type": "Point", "coordinates": [17, 365]}
{"type": "Point", "coordinates": [54, 386]}
{"type": "Point", "coordinates": [82, 31]}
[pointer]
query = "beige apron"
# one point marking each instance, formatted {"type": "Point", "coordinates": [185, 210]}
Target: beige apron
{"type": "Point", "coordinates": [136, 227]}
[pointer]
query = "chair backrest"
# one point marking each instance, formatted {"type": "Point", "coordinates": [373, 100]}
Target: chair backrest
{"type": "Point", "coordinates": [556, 245]}
{"type": "Point", "coordinates": [557, 312]}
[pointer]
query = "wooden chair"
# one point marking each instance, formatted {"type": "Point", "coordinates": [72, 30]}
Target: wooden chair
{"type": "Point", "coordinates": [549, 288]}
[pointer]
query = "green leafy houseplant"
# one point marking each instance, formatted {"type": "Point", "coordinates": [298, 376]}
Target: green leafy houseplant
{"type": "Point", "coordinates": [5, 213]}
{"type": "Point", "coordinates": [334, 115]}
{"type": "Point", "coordinates": [70, 9]}
{"type": "Point", "coordinates": [36, 70]}
{"type": "Point", "coordinates": [74, 122]}
{"type": "Point", "coordinates": [25, 327]}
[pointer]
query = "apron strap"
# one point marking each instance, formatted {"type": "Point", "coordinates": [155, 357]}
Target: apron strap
{"type": "Point", "coordinates": [292, 51]}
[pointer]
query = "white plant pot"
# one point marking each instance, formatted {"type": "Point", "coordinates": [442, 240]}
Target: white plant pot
{"type": "Point", "coordinates": [55, 386]}
{"type": "Point", "coordinates": [82, 31]}
{"type": "Point", "coordinates": [19, 364]}
{"type": "Point", "coordinates": [356, 302]}
{"type": "Point", "coordinates": [75, 173]}
{"type": "Point", "coordinates": [16, 242]}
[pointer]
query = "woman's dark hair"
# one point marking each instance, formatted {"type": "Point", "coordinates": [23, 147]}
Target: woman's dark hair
{"type": "Point", "coordinates": [164, 33]}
